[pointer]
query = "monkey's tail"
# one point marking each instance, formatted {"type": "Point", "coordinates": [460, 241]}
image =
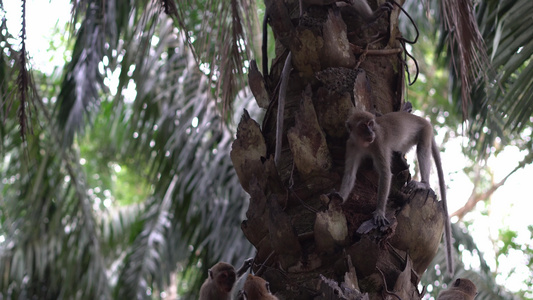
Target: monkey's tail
{"type": "Point", "coordinates": [447, 226]}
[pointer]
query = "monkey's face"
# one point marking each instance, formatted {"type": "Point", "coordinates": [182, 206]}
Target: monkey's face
{"type": "Point", "coordinates": [363, 131]}
{"type": "Point", "coordinates": [225, 280]}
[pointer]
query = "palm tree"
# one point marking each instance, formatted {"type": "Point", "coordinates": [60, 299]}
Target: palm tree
{"type": "Point", "coordinates": [339, 59]}
{"type": "Point", "coordinates": [169, 134]}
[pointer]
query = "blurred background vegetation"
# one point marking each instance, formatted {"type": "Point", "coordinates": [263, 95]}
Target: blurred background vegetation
{"type": "Point", "coordinates": [115, 172]}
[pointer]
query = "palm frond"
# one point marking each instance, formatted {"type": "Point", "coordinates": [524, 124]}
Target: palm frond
{"type": "Point", "coordinates": [221, 49]}
{"type": "Point", "coordinates": [506, 106]}
{"type": "Point", "coordinates": [465, 43]}
{"type": "Point", "coordinates": [8, 59]}
{"type": "Point", "coordinates": [145, 261]}
{"type": "Point", "coordinates": [25, 87]}
{"type": "Point", "coordinates": [174, 115]}
{"type": "Point", "coordinates": [80, 87]}
{"type": "Point", "coordinates": [52, 247]}
{"type": "Point", "coordinates": [170, 131]}
{"type": "Point", "coordinates": [15, 62]}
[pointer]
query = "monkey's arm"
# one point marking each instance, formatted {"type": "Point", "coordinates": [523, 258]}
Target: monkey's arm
{"type": "Point", "coordinates": [245, 266]}
{"type": "Point", "coordinates": [382, 162]}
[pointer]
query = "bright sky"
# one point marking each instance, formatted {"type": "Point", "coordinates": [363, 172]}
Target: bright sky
{"type": "Point", "coordinates": [41, 18]}
{"type": "Point", "coordinates": [510, 207]}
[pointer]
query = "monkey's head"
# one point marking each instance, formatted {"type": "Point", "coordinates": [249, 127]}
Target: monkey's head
{"type": "Point", "coordinates": [466, 286]}
{"type": "Point", "coordinates": [255, 287]}
{"type": "Point", "coordinates": [223, 275]}
{"type": "Point", "coordinates": [362, 124]}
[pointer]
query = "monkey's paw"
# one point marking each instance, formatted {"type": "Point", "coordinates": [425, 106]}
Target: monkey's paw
{"type": "Point", "coordinates": [379, 219]}
{"type": "Point", "coordinates": [249, 261]}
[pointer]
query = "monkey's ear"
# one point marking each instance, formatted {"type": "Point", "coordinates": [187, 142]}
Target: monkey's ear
{"type": "Point", "coordinates": [210, 274]}
{"type": "Point", "coordinates": [348, 126]}
{"type": "Point", "coordinates": [457, 282]}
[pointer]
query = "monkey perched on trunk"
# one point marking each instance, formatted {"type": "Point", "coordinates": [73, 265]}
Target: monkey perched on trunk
{"type": "Point", "coordinates": [378, 137]}
{"type": "Point", "coordinates": [219, 283]}
{"type": "Point", "coordinates": [462, 289]}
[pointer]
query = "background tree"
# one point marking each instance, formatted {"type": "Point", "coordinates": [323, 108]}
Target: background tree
{"type": "Point", "coordinates": [114, 210]}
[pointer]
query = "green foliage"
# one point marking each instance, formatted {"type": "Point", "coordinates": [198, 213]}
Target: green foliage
{"type": "Point", "coordinates": [507, 244]}
{"type": "Point", "coordinates": [500, 110]}
{"type": "Point", "coordinates": [112, 210]}
{"type": "Point", "coordinates": [436, 280]}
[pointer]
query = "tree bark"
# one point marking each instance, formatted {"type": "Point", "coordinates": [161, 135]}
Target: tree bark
{"type": "Point", "coordinates": [307, 241]}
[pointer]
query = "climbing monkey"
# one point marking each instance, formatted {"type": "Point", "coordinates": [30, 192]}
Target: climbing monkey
{"type": "Point", "coordinates": [377, 138]}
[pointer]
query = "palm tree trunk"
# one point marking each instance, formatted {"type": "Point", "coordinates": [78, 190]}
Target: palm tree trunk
{"type": "Point", "coordinates": [338, 61]}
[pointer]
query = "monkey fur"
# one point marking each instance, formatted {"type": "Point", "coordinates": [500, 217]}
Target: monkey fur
{"type": "Point", "coordinates": [462, 289]}
{"type": "Point", "coordinates": [378, 137]}
{"type": "Point", "coordinates": [256, 288]}
{"type": "Point", "coordinates": [219, 283]}
{"type": "Point", "coordinates": [361, 9]}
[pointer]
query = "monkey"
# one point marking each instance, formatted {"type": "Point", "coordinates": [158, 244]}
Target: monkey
{"type": "Point", "coordinates": [360, 9]}
{"type": "Point", "coordinates": [462, 289]}
{"type": "Point", "coordinates": [219, 283]}
{"type": "Point", "coordinates": [256, 288]}
{"type": "Point", "coordinates": [221, 278]}
{"type": "Point", "coordinates": [378, 137]}
{"type": "Point", "coordinates": [363, 10]}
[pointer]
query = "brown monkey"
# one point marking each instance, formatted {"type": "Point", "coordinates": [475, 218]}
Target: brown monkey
{"type": "Point", "coordinates": [378, 137]}
{"type": "Point", "coordinates": [256, 288]}
{"type": "Point", "coordinates": [219, 283]}
{"type": "Point", "coordinates": [462, 289]}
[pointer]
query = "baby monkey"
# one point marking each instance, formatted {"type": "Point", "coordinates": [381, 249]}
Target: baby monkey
{"type": "Point", "coordinates": [220, 281]}
{"type": "Point", "coordinates": [462, 289]}
{"type": "Point", "coordinates": [378, 137]}
{"type": "Point", "coordinates": [256, 288]}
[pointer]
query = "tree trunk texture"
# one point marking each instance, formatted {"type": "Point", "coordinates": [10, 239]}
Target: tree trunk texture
{"type": "Point", "coordinates": [307, 242]}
